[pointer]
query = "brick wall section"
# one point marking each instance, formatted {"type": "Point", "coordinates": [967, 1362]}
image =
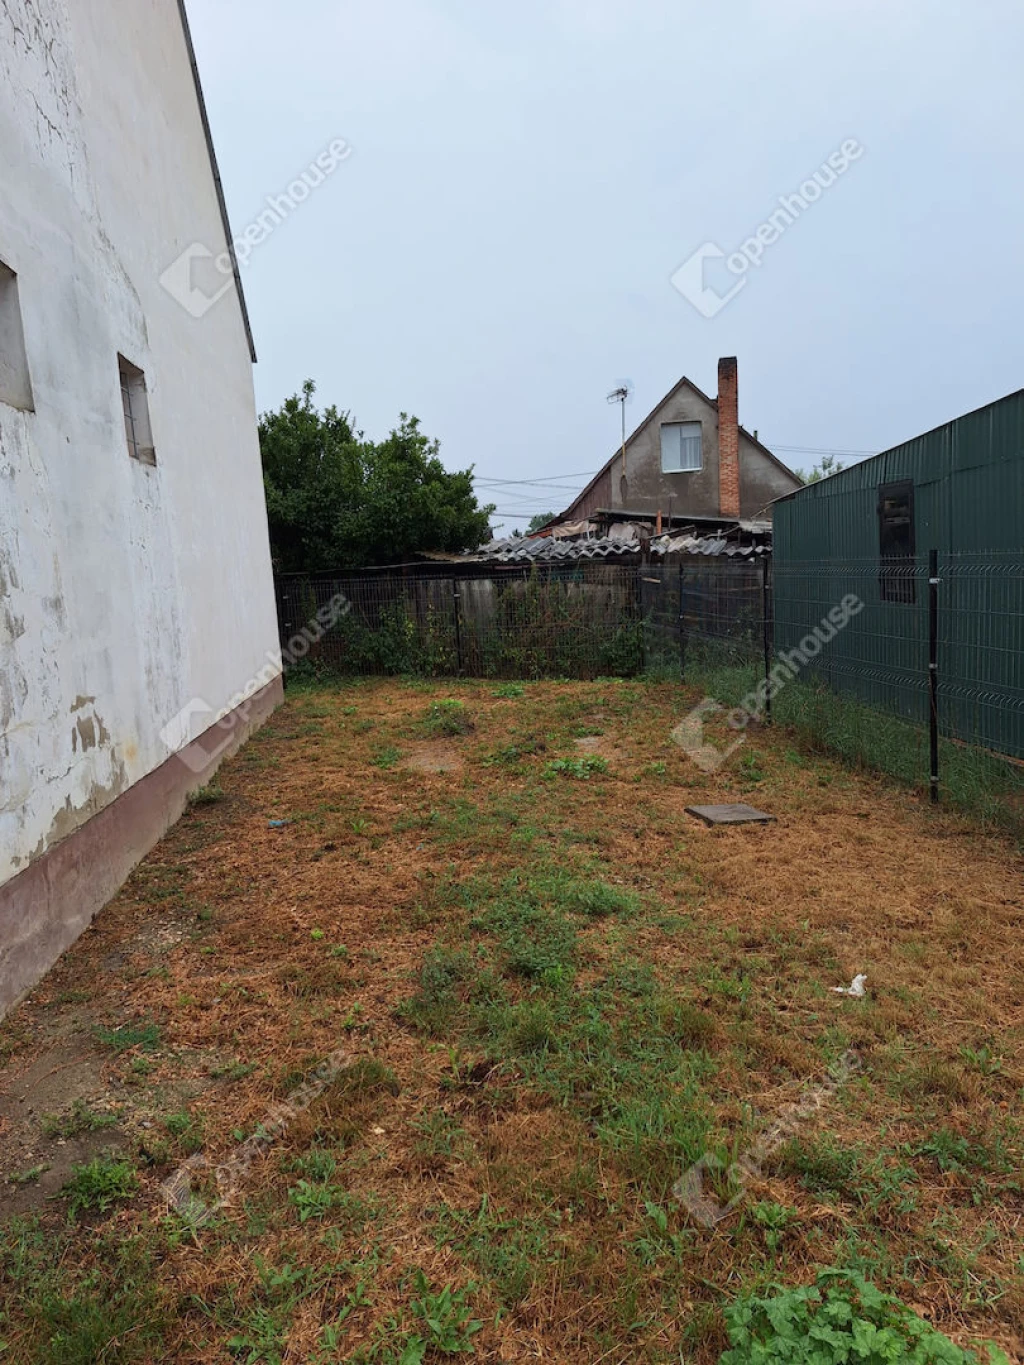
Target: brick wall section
{"type": "Point", "coordinates": [728, 438]}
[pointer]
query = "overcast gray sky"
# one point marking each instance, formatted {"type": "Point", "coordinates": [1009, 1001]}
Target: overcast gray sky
{"type": "Point", "coordinates": [496, 253]}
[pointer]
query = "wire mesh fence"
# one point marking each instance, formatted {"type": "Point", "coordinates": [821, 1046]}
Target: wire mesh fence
{"type": "Point", "coordinates": [910, 667]}
{"type": "Point", "coordinates": [981, 650]}
{"type": "Point", "coordinates": [579, 621]}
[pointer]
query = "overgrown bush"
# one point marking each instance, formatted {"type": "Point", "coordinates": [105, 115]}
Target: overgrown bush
{"type": "Point", "coordinates": [535, 627]}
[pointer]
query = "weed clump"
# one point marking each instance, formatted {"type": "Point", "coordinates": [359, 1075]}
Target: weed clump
{"type": "Point", "coordinates": [385, 757]}
{"type": "Point", "coordinates": [447, 717]}
{"type": "Point", "coordinates": [598, 899]}
{"type": "Point", "coordinates": [841, 1319]}
{"type": "Point", "coordinates": [533, 1028]}
{"type": "Point", "coordinates": [538, 944]}
{"type": "Point", "coordinates": [77, 1120]}
{"type": "Point", "coordinates": [687, 1024]}
{"type": "Point", "coordinates": [823, 1166]}
{"type": "Point", "coordinates": [581, 769]}
{"type": "Point", "coordinates": [433, 1008]}
{"type": "Point", "coordinates": [99, 1184]}
{"type": "Point", "coordinates": [367, 1076]}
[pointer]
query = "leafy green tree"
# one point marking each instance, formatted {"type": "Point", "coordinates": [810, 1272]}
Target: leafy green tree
{"type": "Point", "coordinates": [310, 473]}
{"type": "Point", "coordinates": [541, 519]}
{"type": "Point", "coordinates": [336, 500]}
{"type": "Point", "coordinates": [829, 465]}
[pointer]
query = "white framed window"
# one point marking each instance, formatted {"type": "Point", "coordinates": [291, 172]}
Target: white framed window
{"type": "Point", "coordinates": [680, 447]}
{"type": "Point", "coordinates": [135, 403]}
{"type": "Point", "coordinates": [15, 384]}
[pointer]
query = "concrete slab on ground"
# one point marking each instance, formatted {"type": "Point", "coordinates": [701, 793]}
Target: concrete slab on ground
{"type": "Point", "coordinates": [733, 813]}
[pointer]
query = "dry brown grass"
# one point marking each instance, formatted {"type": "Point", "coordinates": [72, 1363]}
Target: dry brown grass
{"type": "Point", "coordinates": [271, 947]}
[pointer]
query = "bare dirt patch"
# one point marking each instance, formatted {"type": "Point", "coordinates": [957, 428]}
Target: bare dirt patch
{"type": "Point", "coordinates": [433, 758]}
{"type": "Point", "coordinates": [48, 1084]}
{"type": "Point", "coordinates": [604, 746]}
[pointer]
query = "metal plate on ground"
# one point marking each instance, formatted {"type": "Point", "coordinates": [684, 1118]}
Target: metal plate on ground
{"type": "Point", "coordinates": [736, 813]}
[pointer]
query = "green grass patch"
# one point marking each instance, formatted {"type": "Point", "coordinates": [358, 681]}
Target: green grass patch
{"type": "Point", "coordinates": [65, 1308]}
{"type": "Point", "coordinates": [96, 1186]}
{"type": "Point", "coordinates": [128, 1036]}
{"type": "Point", "coordinates": [77, 1120]}
{"type": "Point", "coordinates": [598, 899]}
{"type": "Point", "coordinates": [511, 1252]}
{"type": "Point", "coordinates": [580, 769]}
{"type": "Point", "coordinates": [385, 757]}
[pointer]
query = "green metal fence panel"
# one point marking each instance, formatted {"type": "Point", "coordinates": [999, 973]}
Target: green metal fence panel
{"type": "Point", "coordinates": [968, 504]}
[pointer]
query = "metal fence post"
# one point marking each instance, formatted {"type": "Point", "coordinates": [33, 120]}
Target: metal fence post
{"type": "Point", "coordinates": [766, 633]}
{"type": "Point", "coordinates": [933, 669]}
{"type": "Point", "coordinates": [458, 621]}
{"type": "Point", "coordinates": [682, 627]}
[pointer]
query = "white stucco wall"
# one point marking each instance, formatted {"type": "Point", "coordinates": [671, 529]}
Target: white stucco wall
{"type": "Point", "coordinates": [125, 591]}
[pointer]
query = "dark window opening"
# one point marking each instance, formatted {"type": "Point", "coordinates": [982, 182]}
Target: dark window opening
{"type": "Point", "coordinates": [896, 542]}
{"type": "Point", "coordinates": [135, 403]}
{"type": "Point", "coordinates": [15, 384]}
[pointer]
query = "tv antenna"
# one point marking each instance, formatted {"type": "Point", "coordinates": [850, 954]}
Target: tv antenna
{"type": "Point", "coordinates": [622, 395]}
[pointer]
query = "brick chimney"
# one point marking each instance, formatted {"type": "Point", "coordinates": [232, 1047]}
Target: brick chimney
{"type": "Point", "coordinates": [728, 439]}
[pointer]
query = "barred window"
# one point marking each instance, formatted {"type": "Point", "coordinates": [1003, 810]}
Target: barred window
{"type": "Point", "coordinates": [15, 384]}
{"type": "Point", "coordinates": [135, 403]}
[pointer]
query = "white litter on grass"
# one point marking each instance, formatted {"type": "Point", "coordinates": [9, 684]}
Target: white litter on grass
{"type": "Point", "coordinates": [855, 988]}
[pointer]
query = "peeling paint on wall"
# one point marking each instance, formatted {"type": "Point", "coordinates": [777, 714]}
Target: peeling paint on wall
{"type": "Point", "coordinates": [69, 817]}
{"type": "Point", "coordinates": [11, 626]}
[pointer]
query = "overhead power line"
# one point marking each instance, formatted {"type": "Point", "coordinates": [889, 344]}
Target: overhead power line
{"type": "Point", "coordinates": [818, 450]}
{"type": "Point", "coordinates": [544, 479]}
{"type": "Point", "coordinates": [531, 489]}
